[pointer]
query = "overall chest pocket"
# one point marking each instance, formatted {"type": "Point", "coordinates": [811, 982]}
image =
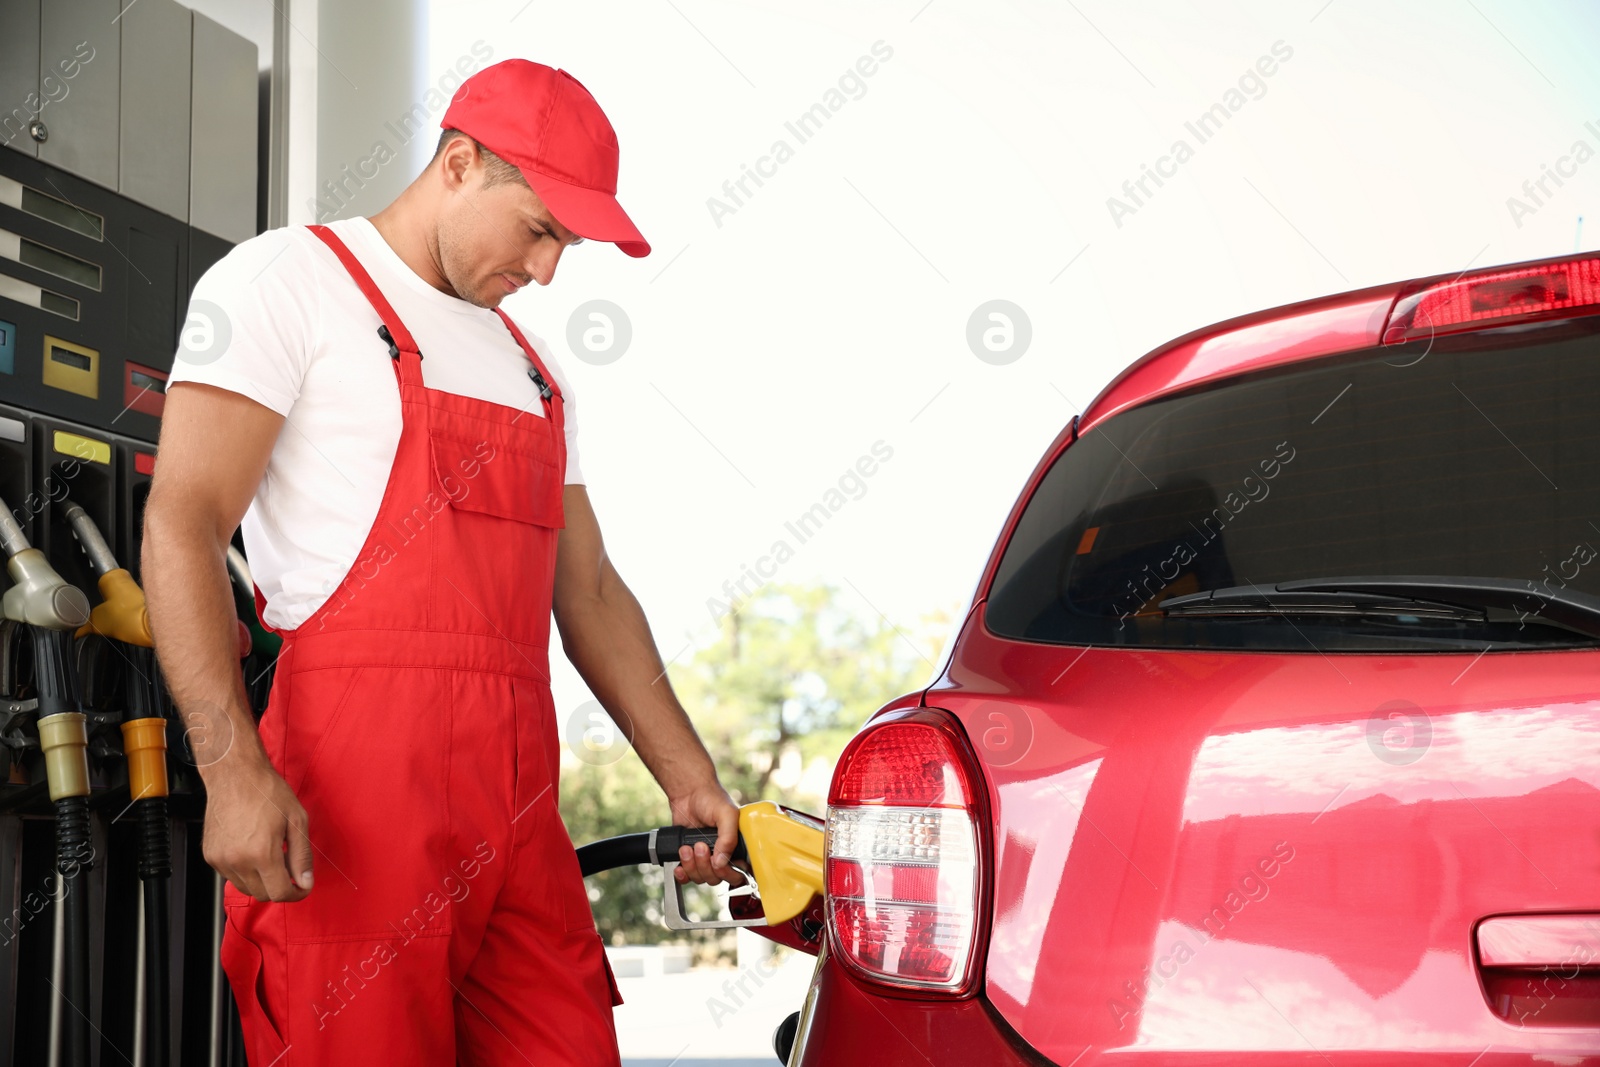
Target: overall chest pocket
{"type": "Point", "coordinates": [495, 470]}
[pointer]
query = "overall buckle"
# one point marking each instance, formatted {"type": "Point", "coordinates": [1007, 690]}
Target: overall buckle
{"type": "Point", "coordinates": [388, 339]}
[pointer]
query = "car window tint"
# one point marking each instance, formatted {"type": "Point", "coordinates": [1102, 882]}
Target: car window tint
{"type": "Point", "coordinates": [1470, 456]}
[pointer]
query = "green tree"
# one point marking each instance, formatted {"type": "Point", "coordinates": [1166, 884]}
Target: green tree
{"type": "Point", "coordinates": [789, 680]}
{"type": "Point", "coordinates": [795, 672]}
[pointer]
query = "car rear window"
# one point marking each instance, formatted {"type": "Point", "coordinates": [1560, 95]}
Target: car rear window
{"type": "Point", "coordinates": [1474, 456]}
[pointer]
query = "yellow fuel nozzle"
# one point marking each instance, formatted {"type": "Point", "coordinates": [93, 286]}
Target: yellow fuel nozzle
{"type": "Point", "coordinates": [785, 849]}
{"type": "Point", "coordinates": [121, 613]}
{"type": "Point", "coordinates": [780, 848]}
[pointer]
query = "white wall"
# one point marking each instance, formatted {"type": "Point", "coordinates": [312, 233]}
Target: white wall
{"type": "Point", "coordinates": [369, 59]}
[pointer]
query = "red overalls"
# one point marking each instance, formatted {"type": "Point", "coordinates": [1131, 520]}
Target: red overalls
{"type": "Point", "coordinates": [411, 715]}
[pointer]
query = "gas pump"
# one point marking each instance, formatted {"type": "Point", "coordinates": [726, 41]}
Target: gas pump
{"type": "Point", "coordinates": [111, 208]}
{"type": "Point", "coordinates": [52, 610]}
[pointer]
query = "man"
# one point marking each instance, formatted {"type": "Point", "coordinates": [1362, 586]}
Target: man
{"type": "Point", "coordinates": [400, 887]}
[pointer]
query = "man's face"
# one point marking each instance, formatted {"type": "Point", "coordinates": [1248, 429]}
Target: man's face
{"type": "Point", "coordinates": [494, 240]}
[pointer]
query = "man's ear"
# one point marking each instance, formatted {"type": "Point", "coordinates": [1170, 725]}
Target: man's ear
{"type": "Point", "coordinates": [456, 162]}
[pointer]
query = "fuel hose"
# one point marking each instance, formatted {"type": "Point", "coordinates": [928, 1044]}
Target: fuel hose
{"type": "Point", "coordinates": [145, 742]}
{"type": "Point", "coordinates": [121, 617]}
{"type": "Point", "coordinates": [54, 609]}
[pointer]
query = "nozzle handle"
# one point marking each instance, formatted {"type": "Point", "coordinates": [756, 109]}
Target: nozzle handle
{"type": "Point", "coordinates": [666, 840]}
{"type": "Point", "coordinates": [658, 846]}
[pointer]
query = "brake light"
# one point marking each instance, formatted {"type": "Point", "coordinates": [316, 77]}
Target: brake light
{"type": "Point", "coordinates": [905, 854]}
{"type": "Point", "coordinates": [1496, 297]}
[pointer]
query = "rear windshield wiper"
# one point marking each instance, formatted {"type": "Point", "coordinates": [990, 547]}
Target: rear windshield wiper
{"type": "Point", "coordinates": [1420, 596]}
{"type": "Point", "coordinates": [1243, 600]}
{"type": "Point", "coordinates": [1565, 607]}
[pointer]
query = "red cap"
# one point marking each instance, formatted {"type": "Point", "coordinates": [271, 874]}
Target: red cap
{"type": "Point", "coordinates": [545, 122]}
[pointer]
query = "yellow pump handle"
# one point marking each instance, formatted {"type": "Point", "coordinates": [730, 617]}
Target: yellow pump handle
{"type": "Point", "coordinates": [121, 614]}
{"type": "Point", "coordinates": [786, 854]}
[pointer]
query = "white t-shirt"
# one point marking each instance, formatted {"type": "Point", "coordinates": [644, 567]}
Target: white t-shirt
{"type": "Point", "coordinates": [279, 320]}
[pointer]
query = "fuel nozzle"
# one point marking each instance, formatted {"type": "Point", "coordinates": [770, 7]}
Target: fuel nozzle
{"type": "Point", "coordinates": [786, 853]}
{"type": "Point", "coordinates": [663, 846]}
{"type": "Point", "coordinates": [780, 852]}
{"type": "Point", "coordinates": [121, 616]}
{"type": "Point", "coordinates": [121, 613]}
{"type": "Point", "coordinates": [42, 599]}
{"type": "Point", "coordinates": [39, 596]}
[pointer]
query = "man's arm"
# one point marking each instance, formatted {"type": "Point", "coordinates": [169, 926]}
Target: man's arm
{"type": "Point", "coordinates": [606, 636]}
{"type": "Point", "coordinates": [213, 452]}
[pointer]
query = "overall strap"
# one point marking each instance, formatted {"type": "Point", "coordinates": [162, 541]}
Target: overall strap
{"type": "Point", "coordinates": [393, 331]}
{"type": "Point", "coordinates": [541, 374]}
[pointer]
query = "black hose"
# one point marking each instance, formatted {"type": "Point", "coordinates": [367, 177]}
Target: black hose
{"type": "Point", "coordinates": [155, 869]}
{"type": "Point", "coordinates": [74, 857]}
{"type": "Point", "coordinates": [143, 691]}
{"type": "Point", "coordinates": [67, 772]}
{"type": "Point", "coordinates": [155, 843]}
{"type": "Point", "coordinates": [146, 705]}
{"type": "Point", "coordinates": [628, 850]}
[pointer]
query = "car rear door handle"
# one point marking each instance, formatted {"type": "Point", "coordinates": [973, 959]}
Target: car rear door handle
{"type": "Point", "coordinates": [1542, 970]}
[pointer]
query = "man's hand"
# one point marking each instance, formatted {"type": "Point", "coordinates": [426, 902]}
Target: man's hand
{"type": "Point", "coordinates": [255, 832]}
{"type": "Point", "coordinates": [707, 805]}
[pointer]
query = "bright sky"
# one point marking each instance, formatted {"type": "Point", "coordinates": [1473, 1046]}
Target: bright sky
{"type": "Point", "coordinates": [773, 346]}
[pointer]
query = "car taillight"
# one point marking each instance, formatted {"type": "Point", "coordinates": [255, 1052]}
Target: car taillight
{"type": "Point", "coordinates": [1496, 297]}
{"type": "Point", "coordinates": [904, 853]}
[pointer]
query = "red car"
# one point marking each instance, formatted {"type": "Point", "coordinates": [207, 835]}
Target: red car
{"type": "Point", "coordinates": [1272, 735]}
